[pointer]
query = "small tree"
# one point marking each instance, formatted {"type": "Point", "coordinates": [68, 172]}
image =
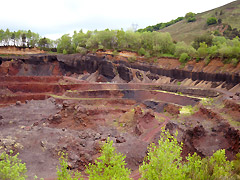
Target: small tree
{"type": "Point", "coordinates": [109, 166]}
{"type": "Point", "coordinates": [202, 50]}
{"type": "Point", "coordinates": [24, 37]}
{"type": "Point", "coordinates": [190, 17]}
{"type": "Point", "coordinates": [215, 167]}
{"type": "Point", "coordinates": [184, 58]}
{"type": "Point", "coordinates": [163, 161]}
{"type": "Point", "coordinates": [12, 168]}
{"type": "Point", "coordinates": [65, 45]}
{"type": "Point", "coordinates": [13, 36]}
{"type": "Point", "coordinates": [44, 43]}
{"type": "Point", "coordinates": [205, 38]}
{"type": "Point", "coordinates": [64, 173]}
{"type": "Point", "coordinates": [211, 21]}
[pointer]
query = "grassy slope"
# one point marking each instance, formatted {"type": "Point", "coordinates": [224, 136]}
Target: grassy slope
{"type": "Point", "coordinates": [183, 31]}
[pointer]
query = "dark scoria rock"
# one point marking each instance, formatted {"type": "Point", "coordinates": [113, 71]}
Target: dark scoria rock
{"type": "Point", "coordinates": [139, 75]}
{"type": "Point", "coordinates": [152, 76]}
{"type": "Point", "coordinates": [125, 73]}
{"type": "Point", "coordinates": [43, 65]}
{"type": "Point", "coordinates": [106, 69]}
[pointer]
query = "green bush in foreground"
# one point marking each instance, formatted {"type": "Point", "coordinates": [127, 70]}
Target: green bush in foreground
{"type": "Point", "coordinates": [64, 173]}
{"type": "Point", "coordinates": [109, 166]}
{"type": "Point", "coordinates": [164, 162]}
{"type": "Point", "coordinates": [11, 168]}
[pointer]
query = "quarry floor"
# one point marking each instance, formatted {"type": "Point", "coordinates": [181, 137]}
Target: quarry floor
{"type": "Point", "coordinates": [41, 116]}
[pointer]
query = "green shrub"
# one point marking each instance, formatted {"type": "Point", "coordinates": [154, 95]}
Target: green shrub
{"type": "Point", "coordinates": [184, 58]}
{"type": "Point", "coordinates": [235, 62]}
{"type": "Point", "coordinates": [207, 60]}
{"type": "Point", "coordinates": [202, 50]}
{"type": "Point", "coordinates": [216, 33]}
{"type": "Point", "coordinates": [198, 59]}
{"type": "Point", "coordinates": [132, 59]}
{"type": "Point", "coordinates": [190, 17]}
{"type": "Point", "coordinates": [110, 165]}
{"type": "Point", "coordinates": [12, 168]}
{"type": "Point", "coordinates": [81, 50]}
{"type": "Point", "coordinates": [147, 55]}
{"type": "Point", "coordinates": [211, 21]}
{"type": "Point", "coordinates": [182, 47]}
{"type": "Point", "coordinates": [207, 101]}
{"type": "Point", "coordinates": [163, 161]}
{"type": "Point", "coordinates": [187, 110]}
{"type": "Point", "coordinates": [115, 53]}
{"type": "Point", "coordinates": [236, 166]}
{"type": "Point", "coordinates": [141, 52]}
{"type": "Point", "coordinates": [205, 38]}
{"type": "Point", "coordinates": [64, 173]}
{"type": "Point", "coordinates": [213, 51]}
{"type": "Point", "coordinates": [214, 168]}
{"type": "Point", "coordinates": [64, 44]}
{"type": "Point", "coordinates": [225, 51]}
{"type": "Point", "coordinates": [64, 51]}
{"type": "Point", "coordinates": [218, 40]}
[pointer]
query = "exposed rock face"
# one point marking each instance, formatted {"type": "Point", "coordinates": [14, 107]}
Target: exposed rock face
{"type": "Point", "coordinates": [152, 76]}
{"type": "Point", "coordinates": [106, 69]}
{"type": "Point", "coordinates": [42, 65]}
{"type": "Point", "coordinates": [125, 73]}
{"type": "Point", "coordinates": [205, 141]}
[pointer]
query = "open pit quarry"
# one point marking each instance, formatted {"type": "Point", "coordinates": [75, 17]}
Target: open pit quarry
{"type": "Point", "coordinates": [51, 103]}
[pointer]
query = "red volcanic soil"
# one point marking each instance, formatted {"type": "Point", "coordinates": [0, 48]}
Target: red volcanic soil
{"type": "Point", "coordinates": [41, 116]}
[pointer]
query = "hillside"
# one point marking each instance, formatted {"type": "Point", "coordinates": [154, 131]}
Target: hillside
{"type": "Point", "coordinates": [184, 31]}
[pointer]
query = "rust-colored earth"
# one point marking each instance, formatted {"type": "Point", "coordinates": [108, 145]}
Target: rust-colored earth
{"type": "Point", "coordinates": [42, 115]}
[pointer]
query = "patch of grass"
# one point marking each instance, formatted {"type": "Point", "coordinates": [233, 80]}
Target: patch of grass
{"type": "Point", "coordinates": [207, 101]}
{"type": "Point", "coordinates": [132, 59]}
{"type": "Point", "coordinates": [231, 121]}
{"type": "Point", "coordinates": [188, 110]}
{"type": "Point", "coordinates": [183, 31]}
{"type": "Point", "coordinates": [160, 119]}
{"type": "Point", "coordinates": [65, 97]}
{"type": "Point", "coordinates": [168, 55]}
{"type": "Point", "coordinates": [115, 53]}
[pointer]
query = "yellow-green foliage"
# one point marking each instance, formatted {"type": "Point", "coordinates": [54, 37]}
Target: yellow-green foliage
{"type": "Point", "coordinates": [12, 168]}
{"type": "Point", "coordinates": [109, 166]}
{"type": "Point", "coordinates": [164, 162]}
{"type": "Point", "coordinates": [63, 172]}
{"type": "Point", "coordinates": [188, 110]}
{"type": "Point", "coordinates": [207, 101]}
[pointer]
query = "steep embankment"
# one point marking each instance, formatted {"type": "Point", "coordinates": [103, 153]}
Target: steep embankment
{"type": "Point", "coordinates": [19, 50]}
{"type": "Point", "coordinates": [184, 31]}
{"type": "Point", "coordinates": [107, 68]}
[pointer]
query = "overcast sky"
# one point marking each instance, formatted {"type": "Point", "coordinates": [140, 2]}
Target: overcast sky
{"type": "Point", "coordinates": [53, 18]}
